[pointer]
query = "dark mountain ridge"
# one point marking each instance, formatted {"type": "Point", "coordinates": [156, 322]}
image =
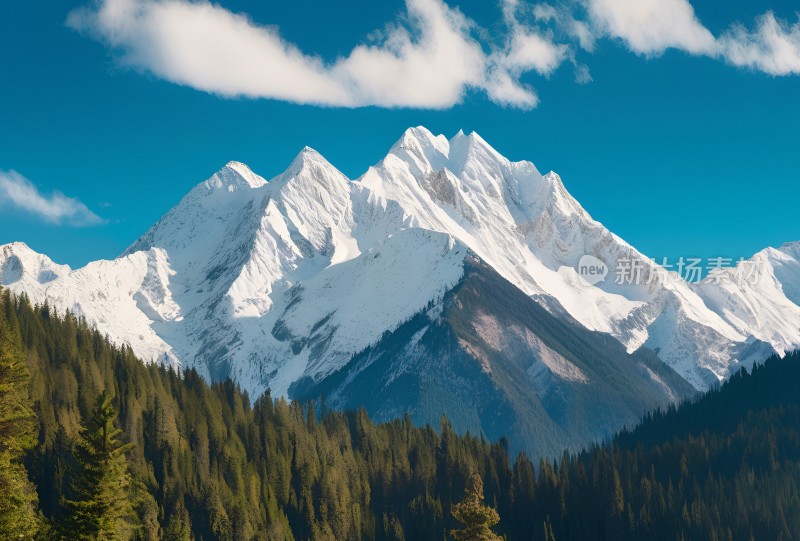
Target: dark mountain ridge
{"type": "Point", "coordinates": [495, 362]}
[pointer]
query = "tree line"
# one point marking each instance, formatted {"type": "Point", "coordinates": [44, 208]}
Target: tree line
{"type": "Point", "coordinates": [94, 444]}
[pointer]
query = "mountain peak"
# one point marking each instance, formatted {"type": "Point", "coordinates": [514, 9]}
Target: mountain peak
{"type": "Point", "coordinates": [18, 260]}
{"type": "Point", "coordinates": [310, 163]}
{"type": "Point", "coordinates": [420, 134]}
{"type": "Point", "coordinates": [234, 176]}
{"type": "Point", "coordinates": [425, 152]}
{"type": "Point", "coordinates": [237, 166]}
{"type": "Point", "coordinates": [307, 151]}
{"type": "Point", "coordinates": [561, 199]}
{"type": "Point", "coordinates": [22, 250]}
{"type": "Point", "coordinates": [472, 147]}
{"type": "Point", "coordinates": [306, 155]}
{"type": "Point", "coordinates": [422, 150]}
{"type": "Point", "coordinates": [472, 136]}
{"type": "Point", "coordinates": [16, 245]}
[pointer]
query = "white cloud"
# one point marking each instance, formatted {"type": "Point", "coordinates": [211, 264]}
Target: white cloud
{"type": "Point", "coordinates": [576, 29]}
{"type": "Point", "coordinates": [428, 61]}
{"type": "Point", "coordinates": [582, 74]}
{"type": "Point", "coordinates": [430, 58]}
{"type": "Point", "coordinates": [431, 71]}
{"type": "Point", "coordinates": [55, 208]}
{"type": "Point", "coordinates": [651, 26]}
{"type": "Point", "coordinates": [525, 49]}
{"type": "Point", "coordinates": [531, 51]}
{"type": "Point", "coordinates": [773, 48]}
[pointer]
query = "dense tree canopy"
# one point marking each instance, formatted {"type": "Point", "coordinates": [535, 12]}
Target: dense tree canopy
{"type": "Point", "coordinates": [204, 462]}
{"type": "Point", "coordinates": [18, 517]}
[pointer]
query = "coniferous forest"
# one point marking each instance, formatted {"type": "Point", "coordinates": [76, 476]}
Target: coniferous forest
{"type": "Point", "coordinates": [95, 444]}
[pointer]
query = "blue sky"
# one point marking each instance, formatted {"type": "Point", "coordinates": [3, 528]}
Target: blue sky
{"type": "Point", "coordinates": [684, 142]}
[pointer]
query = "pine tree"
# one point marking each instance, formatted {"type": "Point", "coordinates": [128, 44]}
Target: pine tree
{"type": "Point", "coordinates": [548, 531]}
{"type": "Point", "coordinates": [178, 527]}
{"type": "Point", "coordinates": [18, 499]}
{"type": "Point", "coordinates": [102, 508]}
{"type": "Point", "coordinates": [477, 518]}
{"type": "Point", "coordinates": [207, 466]}
{"type": "Point", "coordinates": [618, 500]}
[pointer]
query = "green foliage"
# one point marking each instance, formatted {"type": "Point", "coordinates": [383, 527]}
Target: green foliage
{"type": "Point", "coordinates": [18, 501]}
{"type": "Point", "coordinates": [101, 507]}
{"type": "Point", "coordinates": [477, 519]}
{"type": "Point", "coordinates": [209, 464]}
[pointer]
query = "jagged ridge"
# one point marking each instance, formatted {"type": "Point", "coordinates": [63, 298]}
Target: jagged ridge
{"type": "Point", "coordinates": [234, 279]}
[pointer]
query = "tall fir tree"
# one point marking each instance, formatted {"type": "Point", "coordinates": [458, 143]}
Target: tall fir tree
{"type": "Point", "coordinates": [101, 507]}
{"type": "Point", "coordinates": [18, 498]}
{"type": "Point", "coordinates": [478, 519]}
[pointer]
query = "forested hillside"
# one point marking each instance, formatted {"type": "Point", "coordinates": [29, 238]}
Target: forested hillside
{"type": "Point", "coordinates": [194, 461]}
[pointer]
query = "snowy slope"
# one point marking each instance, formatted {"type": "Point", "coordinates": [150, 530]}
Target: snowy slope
{"type": "Point", "coordinates": [272, 281]}
{"type": "Point", "coordinates": [261, 281]}
{"type": "Point", "coordinates": [27, 270]}
{"type": "Point", "coordinates": [760, 297]}
{"type": "Point", "coordinates": [533, 232]}
{"type": "Point", "coordinates": [122, 297]}
{"type": "Point", "coordinates": [496, 362]}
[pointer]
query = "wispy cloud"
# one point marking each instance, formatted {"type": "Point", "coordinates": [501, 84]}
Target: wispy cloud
{"type": "Point", "coordinates": [564, 20]}
{"type": "Point", "coordinates": [650, 27]}
{"type": "Point", "coordinates": [525, 49]}
{"type": "Point", "coordinates": [55, 208]}
{"type": "Point", "coordinates": [430, 58]}
{"type": "Point", "coordinates": [774, 47]}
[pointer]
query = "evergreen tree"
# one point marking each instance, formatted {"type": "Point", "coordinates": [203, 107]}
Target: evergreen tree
{"type": "Point", "coordinates": [18, 499]}
{"type": "Point", "coordinates": [208, 466]}
{"type": "Point", "coordinates": [178, 528]}
{"type": "Point", "coordinates": [102, 507]}
{"type": "Point", "coordinates": [548, 531]}
{"type": "Point", "coordinates": [477, 518]}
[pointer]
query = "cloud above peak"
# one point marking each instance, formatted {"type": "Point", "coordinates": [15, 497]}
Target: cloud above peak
{"type": "Point", "coordinates": [56, 208]}
{"type": "Point", "coordinates": [651, 26]}
{"type": "Point", "coordinates": [774, 47]}
{"type": "Point", "coordinates": [430, 58]}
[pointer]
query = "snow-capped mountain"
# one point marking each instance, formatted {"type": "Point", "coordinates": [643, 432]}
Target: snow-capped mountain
{"type": "Point", "coordinates": [287, 284]}
{"type": "Point", "coordinates": [534, 233]}
{"type": "Point", "coordinates": [760, 297]}
{"type": "Point", "coordinates": [495, 361]}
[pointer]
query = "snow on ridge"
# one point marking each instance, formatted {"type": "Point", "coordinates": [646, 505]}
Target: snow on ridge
{"type": "Point", "coordinates": [21, 265]}
{"type": "Point", "coordinates": [759, 297]}
{"type": "Point", "coordinates": [269, 277]}
{"type": "Point", "coordinates": [533, 232]}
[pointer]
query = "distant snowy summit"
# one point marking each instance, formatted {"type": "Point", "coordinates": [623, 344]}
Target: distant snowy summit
{"type": "Point", "coordinates": [284, 284]}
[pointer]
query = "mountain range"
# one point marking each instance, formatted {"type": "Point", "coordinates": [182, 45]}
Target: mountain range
{"type": "Point", "coordinates": [445, 280]}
